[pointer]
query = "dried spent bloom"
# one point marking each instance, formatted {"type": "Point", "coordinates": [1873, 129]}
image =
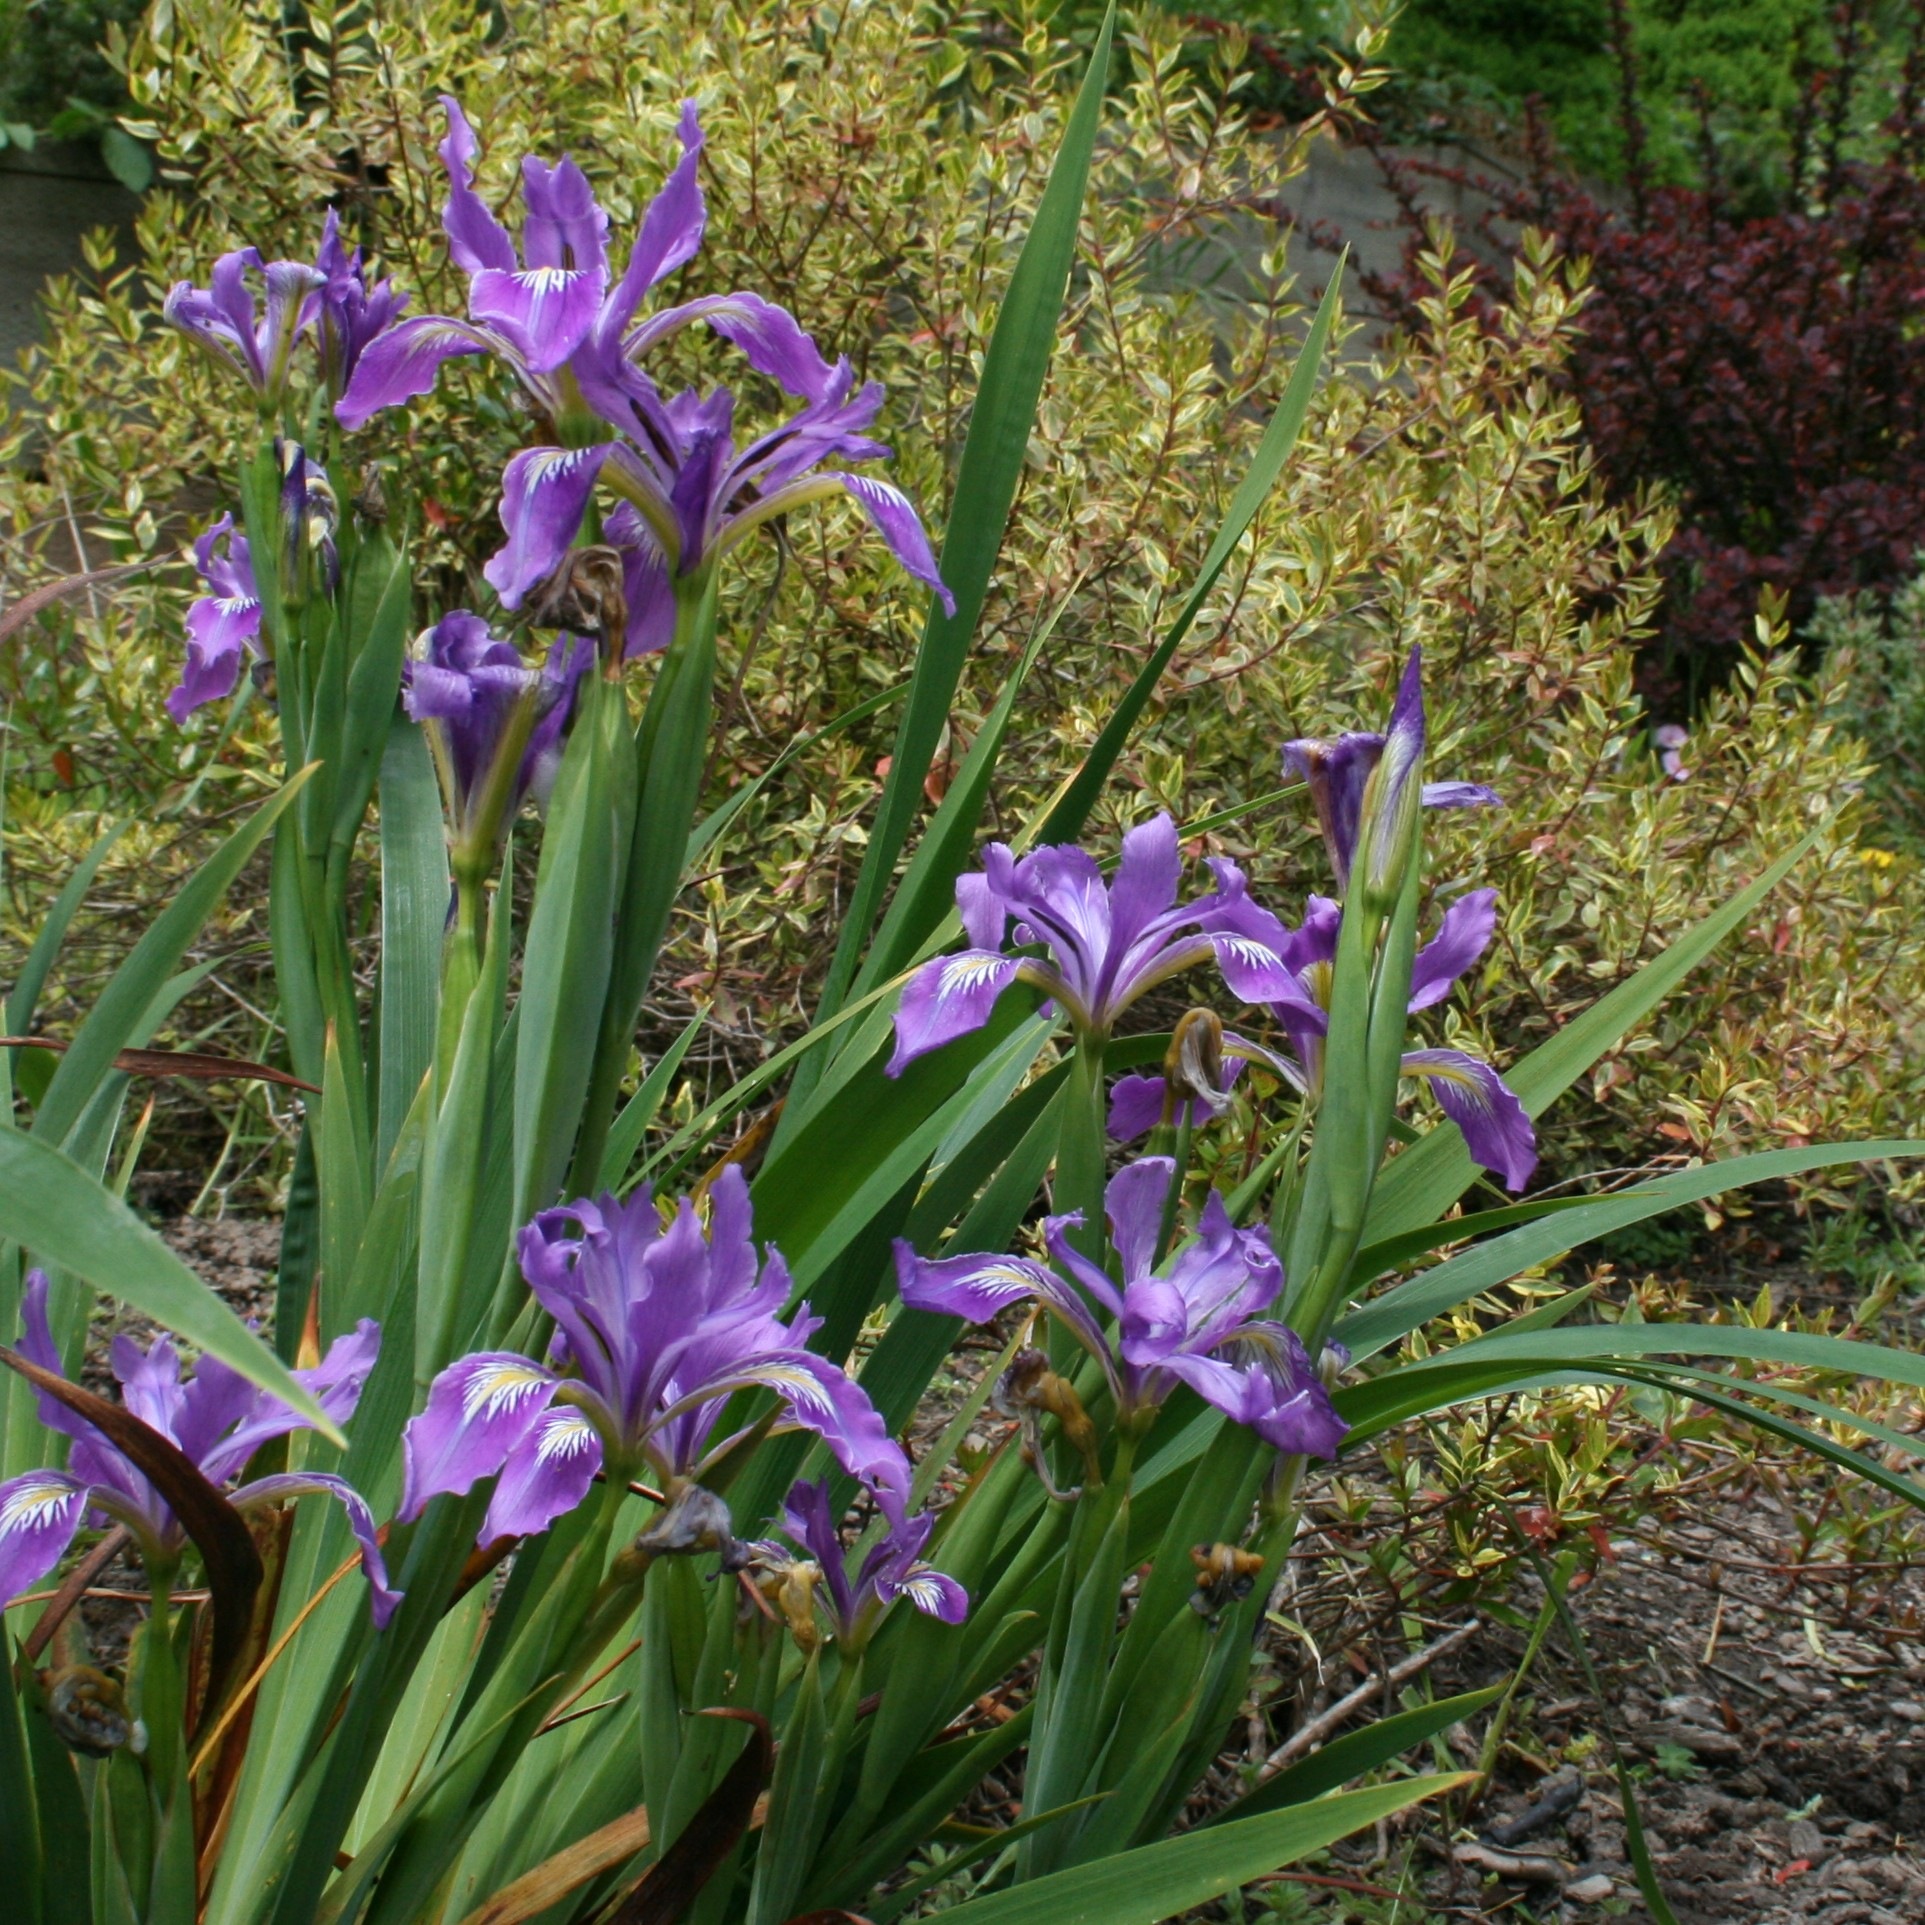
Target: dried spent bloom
{"type": "Point", "coordinates": [1193, 1085]}
{"type": "Point", "coordinates": [1199, 1321]}
{"type": "Point", "coordinates": [655, 1329]}
{"type": "Point", "coordinates": [216, 1417]}
{"type": "Point", "coordinates": [1108, 943]}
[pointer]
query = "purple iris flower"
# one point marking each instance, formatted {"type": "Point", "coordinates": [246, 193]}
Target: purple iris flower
{"type": "Point", "coordinates": [467, 689]}
{"type": "Point", "coordinates": [1339, 771]}
{"type": "Point", "coordinates": [689, 494]}
{"type": "Point", "coordinates": [655, 1330]}
{"type": "Point", "coordinates": [549, 312]}
{"type": "Point", "coordinates": [349, 314]}
{"type": "Point", "coordinates": [893, 1567]}
{"type": "Point", "coordinates": [1108, 943]}
{"type": "Point", "coordinates": [256, 345]}
{"type": "Point", "coordinates": [1497, 1128]}
{"type": "Point", "coordinates": [1200, 1322]}
{"type": "Point", "coordinates": [223, 626]}
{"type": "Point", "coordinates": [217, 1418]}
{"type": "Point", "coordinates": [533, 309]}
{"type": "Point", "coordinates": [574, 342]}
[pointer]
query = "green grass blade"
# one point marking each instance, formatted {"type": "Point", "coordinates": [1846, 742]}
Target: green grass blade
{"type": "Point", "coordinates": [1702, 1388]}
{"type": "Point", "coordinates": [1426, 1179]}
{"type": "Point", "coordinates": [569, 949]}
{"type": "Point", "coordinates": [53, 1208]}
{"type": "Point", "coordinates": [1162, 1881]}
{"type": "Point", "coordinates": [1355, 1753]}
{"type": "Point", "coordinates": [817, 1196]}
{"type": "Point", "coordinates": [1394, 1252]}
{"type": "Point", "coordinates": [19, 1808]}
{"type": "Point", "coordinates": [927, 891]}
{"type": "Point", "coordinates": [625, 1139]}
{"type": "Point", "coordinates": [1020, 348]}
{"type": "Point", "coordinates": [24, 1000]}
{"type": "Point", "coordinates": [114, 1018]}
{"type": "Point", "coordinates": [704, 834]}
{"type": "Point", "coordinates": [1066, 819]}
{"type": "Point", "coordinates": [1524, 1360]}
{"type": "Point", "coordinates": [377, 606]}
{"type": "Point", "coordinates": [1401, 1310]}
{"type": "Point", "coordinates": [341, 1166]}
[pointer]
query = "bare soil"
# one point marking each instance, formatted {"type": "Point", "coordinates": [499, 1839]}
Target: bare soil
{"type": "Point", "coordinates": [1773, 1714]}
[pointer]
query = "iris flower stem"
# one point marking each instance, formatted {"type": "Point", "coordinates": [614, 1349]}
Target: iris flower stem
{"type": "Point", "coordinates": [162, 1707]}
{"type": "Point", "coordinates": [460, 972]}
{"type": "Point", "coordinates": [1173, 1199]}
{"type": "Point", "coordinates": [1079, 1153]}
{"type": "Point", "coordinates": [1289, 1197]}
{"type": "Point", "coordinates": [671, 752]}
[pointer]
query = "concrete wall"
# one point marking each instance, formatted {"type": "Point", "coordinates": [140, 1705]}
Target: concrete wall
{"type": "Point", "coordinates": [48, 199]}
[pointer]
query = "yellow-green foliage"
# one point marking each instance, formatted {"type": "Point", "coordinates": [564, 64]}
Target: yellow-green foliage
{"type": "Point", "coordinates": [875, 166]}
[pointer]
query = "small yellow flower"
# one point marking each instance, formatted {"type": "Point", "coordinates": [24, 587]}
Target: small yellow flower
{"type": "Point", "coordinates": [1877, 858]}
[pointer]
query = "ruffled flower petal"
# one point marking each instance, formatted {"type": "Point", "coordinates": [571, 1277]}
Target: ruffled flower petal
{"type": "Point", "coordinates": [565, 226]}
{"type": "Point", "coordinates": [949, 996]}
{"type": "Point", "coordinates": [546, 312]}
{"type": "Point", "coordinates": [382, 1596]}
{"type": "Point", "coordinates": [544, 494]}
{"type": "Point", "coordinates": [1496, 1126]}
{"type": "Point", "coordinates": [1462, 936]}
{"type": "Point", "coordinates": [39, 1514]}
{"type": "Point", "coordinates": [976, 1288]}
{"type": "Point", "coordinates": [772, 340]}
{"type": "Point", "coordinates": [896, 521]}
{"type": "Point", "coordinates": [479, 1410]}
{"type": "Point", "coordinates": [671, 230]}
{"type": "Point", "coordinates": [404, 362]}
{"type": "Point", "coordinates": [547, 1474]}
{"type": "Point", "coordinates": [1459, 795]}
{"type": "Point", "coordinates": [821, 1397]}
{"type": "Point", "coordinates": [933, 1593]}
{"type": "Point", "coordinates": [475, 238]}
{"type": "Point", "coordinates": [1133, 1202]}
